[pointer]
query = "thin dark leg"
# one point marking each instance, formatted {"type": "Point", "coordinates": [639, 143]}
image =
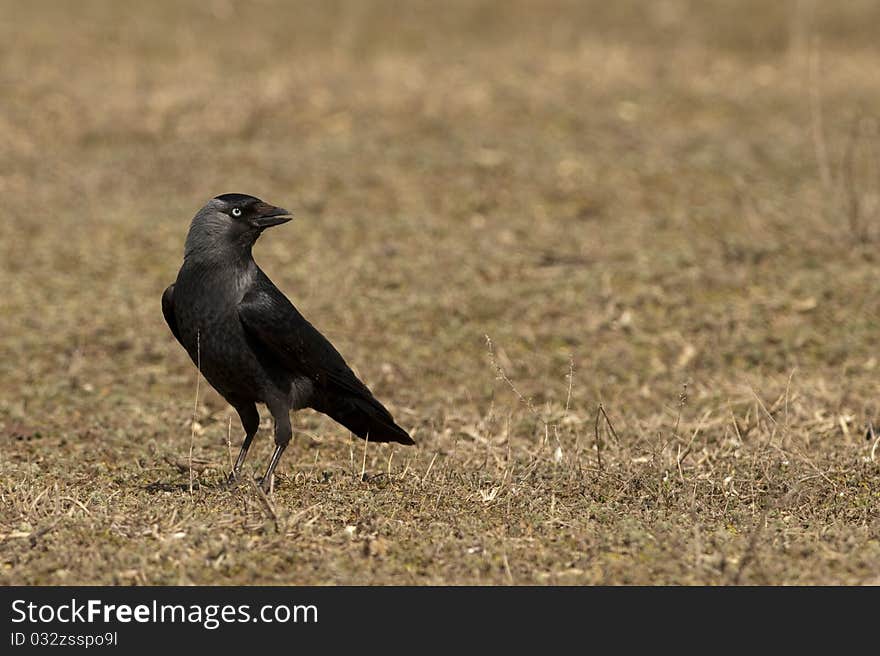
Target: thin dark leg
{"type": "Point", "coordinates": [283, 433]}
{"type": "Point", "coordinates": [239, 461]}
{"type": "Point", "coordinates": [250, 420]}
{"type": "Point", "coordinates": [266, 483]}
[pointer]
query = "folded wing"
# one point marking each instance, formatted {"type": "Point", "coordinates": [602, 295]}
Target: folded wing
{"type": "Point", "coordinates": [270, 318]}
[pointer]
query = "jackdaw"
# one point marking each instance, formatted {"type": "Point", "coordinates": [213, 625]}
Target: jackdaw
{"type": "Point", "coordinates": [250, 342]}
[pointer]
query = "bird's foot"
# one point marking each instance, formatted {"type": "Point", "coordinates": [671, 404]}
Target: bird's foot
{"type": "Point", "coordinates": [233, 479]}
{"type": "Point", "coordinates": [267, 484]}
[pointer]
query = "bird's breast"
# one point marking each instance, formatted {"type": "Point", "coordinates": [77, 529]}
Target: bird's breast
{"type": "Point", "coordinates": [206, 307]}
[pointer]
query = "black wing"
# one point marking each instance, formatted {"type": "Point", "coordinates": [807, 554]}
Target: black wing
{"type": "Point", "coordinates": [272, 320]}
{"type": "Point", "coordinates": [168, 311]}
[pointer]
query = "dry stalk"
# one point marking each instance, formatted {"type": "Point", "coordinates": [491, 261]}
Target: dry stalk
{"type": "Point", "coordinates": [192, 433]}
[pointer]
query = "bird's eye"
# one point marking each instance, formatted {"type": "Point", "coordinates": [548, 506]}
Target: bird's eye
{"type": "Point", "coordinates": [236, 212]}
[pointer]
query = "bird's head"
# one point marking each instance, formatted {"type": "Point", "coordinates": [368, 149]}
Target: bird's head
{"type": "Point", "coordinates": [232, 221]}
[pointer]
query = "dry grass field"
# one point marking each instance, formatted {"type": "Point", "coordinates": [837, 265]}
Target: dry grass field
{"type": "Point", "coordinates": [508, 213]}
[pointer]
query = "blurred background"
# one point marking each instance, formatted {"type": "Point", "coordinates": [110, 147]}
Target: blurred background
{"type": "Point", "coordinates": [626, 197]}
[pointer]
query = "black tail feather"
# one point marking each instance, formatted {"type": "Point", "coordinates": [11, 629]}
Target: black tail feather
{"type": "Point", "coordinates": [366, 417]}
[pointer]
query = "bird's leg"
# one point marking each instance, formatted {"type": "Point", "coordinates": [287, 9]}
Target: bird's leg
{"type": "Point", "coordinates": [250, 420]}
{"type": "Point", "coordinates": [267, 481]}
{"type": "Point", "coordinates": [239, 461]}
{"type": "Point", "coordinates": [283, 433]}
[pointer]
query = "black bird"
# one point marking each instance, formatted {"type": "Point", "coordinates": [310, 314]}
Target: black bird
{"type": "Point", "coordinates": [248, 340]}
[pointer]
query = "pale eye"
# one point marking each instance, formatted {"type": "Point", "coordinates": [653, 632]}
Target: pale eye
{"type": "Point", "coordinates": [236, 212]}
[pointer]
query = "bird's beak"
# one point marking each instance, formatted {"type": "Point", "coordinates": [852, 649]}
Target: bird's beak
{"type": "Point", "coordinates": [269, 215]}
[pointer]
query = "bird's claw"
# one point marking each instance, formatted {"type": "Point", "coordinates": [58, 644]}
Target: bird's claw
{"type": "Point", "coordinates": [232, 479]}
{"type": "Point", "coordinates": [267, 484]}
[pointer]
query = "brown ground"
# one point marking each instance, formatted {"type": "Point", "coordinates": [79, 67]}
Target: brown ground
{"type": "Point", "coordinates": [655, 194]}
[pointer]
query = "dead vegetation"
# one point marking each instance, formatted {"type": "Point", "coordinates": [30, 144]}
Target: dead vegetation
{"type": "Point", "coordinates": [615, 268]}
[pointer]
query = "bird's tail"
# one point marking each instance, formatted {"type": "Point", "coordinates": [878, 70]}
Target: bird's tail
{"type": "Point", "coordinates": [368, 419]}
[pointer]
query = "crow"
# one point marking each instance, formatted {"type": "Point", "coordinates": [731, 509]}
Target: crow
{"type": "Point", "coordinates": [250, 342]}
